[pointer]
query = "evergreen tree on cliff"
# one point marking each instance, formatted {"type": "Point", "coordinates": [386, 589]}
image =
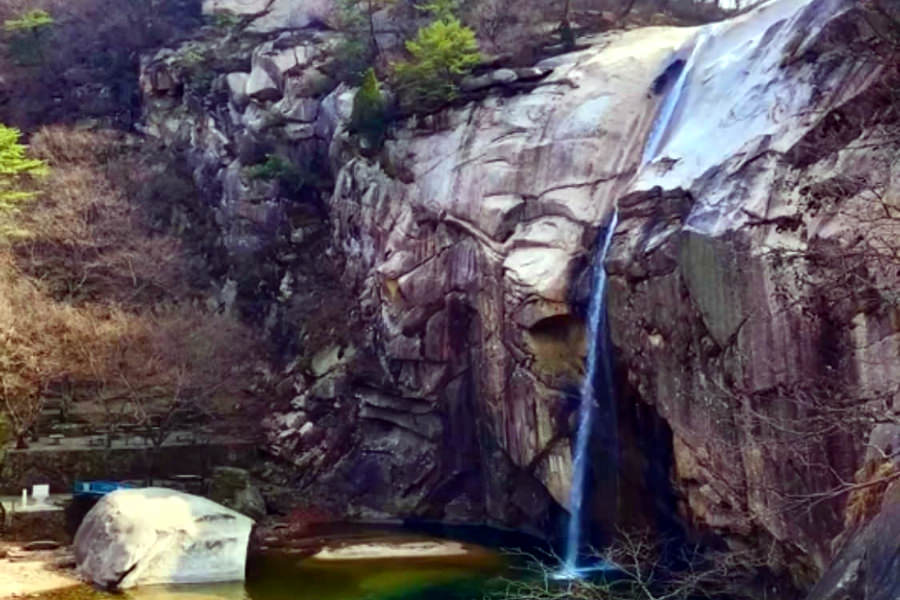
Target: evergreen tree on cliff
{"type": "Point", "coordinates": [442, 54]}
{"type": "Point", "coordinates": [15, 168]}
{"type": "Point", "coordinates": [368, 118]}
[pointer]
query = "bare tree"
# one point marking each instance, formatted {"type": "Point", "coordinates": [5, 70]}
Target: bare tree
{"type": "Point", "coordinates": [94, 297]}
{"type": "Point", "coordinates": [638, 565]}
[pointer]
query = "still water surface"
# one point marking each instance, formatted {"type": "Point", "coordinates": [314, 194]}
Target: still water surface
{"type": "Point", "coordinates": [283, 576]}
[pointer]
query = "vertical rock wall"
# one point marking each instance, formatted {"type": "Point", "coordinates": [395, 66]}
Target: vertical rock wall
{"type": "Point", "coordinates": [432, 298]}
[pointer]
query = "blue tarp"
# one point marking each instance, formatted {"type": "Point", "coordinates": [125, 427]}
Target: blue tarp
{"type": "Point", "coordinates": [97, 488]}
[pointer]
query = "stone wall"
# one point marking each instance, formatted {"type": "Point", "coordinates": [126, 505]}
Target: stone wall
{"type": "Point", "coordinates": [61, 468]}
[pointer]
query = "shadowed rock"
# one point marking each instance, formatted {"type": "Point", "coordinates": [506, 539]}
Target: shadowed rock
{"type": "Point", "coordinates": [868, 568]}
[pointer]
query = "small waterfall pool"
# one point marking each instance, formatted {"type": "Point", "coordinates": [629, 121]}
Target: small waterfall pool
{"type": "Point", "coordinates": [289, 575]}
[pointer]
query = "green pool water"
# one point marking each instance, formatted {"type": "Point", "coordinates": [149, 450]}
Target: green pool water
{"type": "Point", "coordinates": [283, 576]}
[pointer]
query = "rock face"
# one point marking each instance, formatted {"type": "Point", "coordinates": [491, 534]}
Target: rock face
{"type": "Point", "coordinates": [156, 535]}
{"type": "Point", "coordinates": [275, 16]}
{"type": "Point", "coordinates": [438, 378]}
{"type": "Point", "coordinates": [231, 487]}
{"type": "Point", "coordinates": [867, 568]}
{"type": "Point", "coordinates": [729, 294]}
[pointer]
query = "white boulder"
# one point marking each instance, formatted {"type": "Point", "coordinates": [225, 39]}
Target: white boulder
{"type": "Point", "coordinates": [158, 536]}
{"type": "Point", "coordinates": [262, 86]}
{"type": "Point", "coordinates": [281, 14]}
{"type": "Point", "coordinates": [237, 88]}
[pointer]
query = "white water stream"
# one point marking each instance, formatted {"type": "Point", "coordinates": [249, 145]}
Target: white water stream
{"type": "Point", "coordinates": [598, 363]}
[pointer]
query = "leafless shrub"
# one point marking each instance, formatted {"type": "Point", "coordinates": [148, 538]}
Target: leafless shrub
{"type": "Point", "coordinates": [98, 304]}
{"type": "Point", "coordinates": [640, 566]}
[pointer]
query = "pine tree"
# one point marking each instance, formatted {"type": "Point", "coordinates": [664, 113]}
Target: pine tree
{"type": "Point", "coordinates": [369, 117]}
{"type": "Point", "coordinates": [30, 21]}
{"type": "Point", "coordinates": [26, 36]}
{"type": "Point", "coordinates": [15, 168]}
{"type": "Point", "coordinates": [442, 53]}
{"type": "Point", "coordinates": [440, 9]}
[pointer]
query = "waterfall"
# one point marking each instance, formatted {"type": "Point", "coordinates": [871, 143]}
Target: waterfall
{"type": "Point", "coordinates": [598, 356]}
{"type": "Point", "coordinates": [671, 101]}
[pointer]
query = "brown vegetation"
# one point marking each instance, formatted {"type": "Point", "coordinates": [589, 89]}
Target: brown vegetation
{"type": "Point", "coordinates": [104, 312]}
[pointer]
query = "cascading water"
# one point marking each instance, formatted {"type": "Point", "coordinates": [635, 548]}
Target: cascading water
{"type": "Point", "coordinates": [670, 102]}
{"type": "Point", "coordinates": [598, 357]}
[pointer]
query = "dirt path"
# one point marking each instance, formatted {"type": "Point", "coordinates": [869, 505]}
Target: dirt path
{"type": "Point", "coordinates": [23, 573]}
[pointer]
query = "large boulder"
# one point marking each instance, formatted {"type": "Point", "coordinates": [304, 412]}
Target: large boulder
{"type": "Point", "coordinates": [277, 15]}
{"type": "Point", "coordinates": [158, 536]}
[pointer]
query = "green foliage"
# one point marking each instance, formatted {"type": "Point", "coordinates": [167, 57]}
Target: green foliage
{"type": "Point", "coordinates": [15, 168]}
{"type": "Point", "coordinates": [29, 22]}
{"type": "Point", "coordinates": [440, 9]}
{"type": "Point", "coordinates": [224, 20]}
{"type": "Point", "coordinates": [369, 116]}
{"type": "Point", "coordinates": [442, 53]}
{"type": "Point", "coordinates": [351, 59]}
{"type": "Point", "coordinates": [196, 70]}
{"type": "Point", "coordinates": [277, 168]}
{"type": "Point", "coordinates": [26, 36]}
{"type": "Point", "coordinates": [351, 15]}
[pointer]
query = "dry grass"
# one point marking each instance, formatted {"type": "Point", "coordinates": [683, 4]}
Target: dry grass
{"type": "Point", "coordinates": [68, 146]}
{"type": "Point", "coordinates": [94, 301]}
{"type": "Point", "coordinates": [865, 502]}
{"type": "Point", "coordinates": [83, 238]}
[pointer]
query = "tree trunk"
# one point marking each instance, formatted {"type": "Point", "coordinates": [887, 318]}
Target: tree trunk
{"type": "Point", "coordinates": [373, 41]}
{"type": "Point", "coordinates": [629, 4]}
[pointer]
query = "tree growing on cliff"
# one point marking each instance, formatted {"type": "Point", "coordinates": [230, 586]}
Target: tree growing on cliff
{"type": "Point", "coordinates": [27, 35]}
{"type": "Point", "coordinates": [442, 54]}
{"type": "Point", "coordinates": [369, 116]}
{"type": "Point", "coordinates": [15, 169]}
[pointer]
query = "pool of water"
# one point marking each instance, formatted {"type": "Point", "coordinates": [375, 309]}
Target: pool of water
{"type": "Point", "coordinates": [282, 575]}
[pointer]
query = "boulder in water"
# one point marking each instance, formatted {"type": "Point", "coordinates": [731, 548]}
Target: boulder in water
{"type": "Point", "coordinates": [156, 536]}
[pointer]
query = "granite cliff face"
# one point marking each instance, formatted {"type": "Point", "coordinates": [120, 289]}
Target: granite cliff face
{"type": "Point", "coordinates": [434, 294]}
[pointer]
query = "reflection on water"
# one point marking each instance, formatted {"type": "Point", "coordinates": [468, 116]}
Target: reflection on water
{"type": "Point", "coordinates": [281, 576]}
{"type": "Point", "coordinates": [456, 578]}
